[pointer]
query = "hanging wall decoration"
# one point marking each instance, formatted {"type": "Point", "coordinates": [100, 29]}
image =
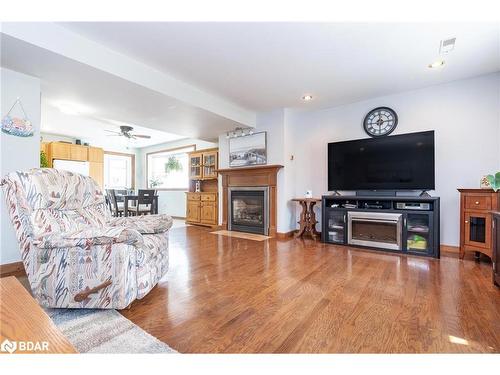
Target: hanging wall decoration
{"type": "Point", "coordinates": [19, 126]}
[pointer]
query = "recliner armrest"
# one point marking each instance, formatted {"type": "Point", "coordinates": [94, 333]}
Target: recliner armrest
{"type": "Point", "coordinates": [89, 237]}
{"type": "Point", "coordinates": [147, 224]}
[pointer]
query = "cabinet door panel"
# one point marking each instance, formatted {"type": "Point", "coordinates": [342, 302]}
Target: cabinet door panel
{"type": "Point", "coordinates": [96, 171]}
{"type": "Point", "coordinates": [79, 153]}
{"type": "Point", "coordinates": [210, 164]}
{"type": "Point", "coordinates": [195, 165]}
{"type": "Point", "coordinates": [193, 211]}
{"type": "Point", "coordinates": [208, 213]}
{"type": "Point", "coordinates": [60, 151]}
{"type": "Point", "coordinates": [335, 226]}
{"type": "Point", "coordinates": [477, 230]}
{"type": "Point", "coordinates": [418, 236]}
{"type": "Point", "coordinates": [96, 154]}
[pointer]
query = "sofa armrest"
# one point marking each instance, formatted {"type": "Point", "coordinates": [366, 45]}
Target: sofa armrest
{"type": "Point", "coordinates": [89, 237]}
{"type": "Point", "coordinates": [147, 224]}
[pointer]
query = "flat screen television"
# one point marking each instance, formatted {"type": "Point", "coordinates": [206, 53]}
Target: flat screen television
{"type": "Point", "coordinates": [398, 162]}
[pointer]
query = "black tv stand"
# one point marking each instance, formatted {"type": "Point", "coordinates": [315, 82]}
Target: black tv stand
{"type": "Point", "coordinates": [424, 193]}
{"type": "Point", "coordinates": [376, 193]}
{"type": "Point", "coordinates": [400, 224]}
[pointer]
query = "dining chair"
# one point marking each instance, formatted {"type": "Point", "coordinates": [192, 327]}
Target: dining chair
{"type": "Point", "coordinates": [144, 204]}
{"type": "Point", "coordinates": [119, 193]}
{"type": "Point", "coordinates": [117, 208]}
{"type": "Point", "coordinates": [107, 199]}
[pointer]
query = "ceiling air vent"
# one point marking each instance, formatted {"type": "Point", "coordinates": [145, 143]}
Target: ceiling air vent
{"type": "Point", "coordinates": [447, 45]}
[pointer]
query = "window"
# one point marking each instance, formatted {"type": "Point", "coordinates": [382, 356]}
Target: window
{"type": "Point", "coordinates": [118, 170]}
{"type": "Point", "coordinates": [169, 169]}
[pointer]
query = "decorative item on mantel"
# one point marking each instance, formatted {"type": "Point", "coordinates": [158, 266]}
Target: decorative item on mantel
{"type": "Point", "coordinates": [17, 126]}
{"type": "Point", "coordinates": [247, 149]}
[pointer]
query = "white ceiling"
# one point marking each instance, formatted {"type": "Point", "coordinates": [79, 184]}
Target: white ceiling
{"type": "Point", "coordinates": [109, 97]}
{"type": "Point", "coordinates": [94, 130]}
{"type": "Point", "coordinates": [263, 66]}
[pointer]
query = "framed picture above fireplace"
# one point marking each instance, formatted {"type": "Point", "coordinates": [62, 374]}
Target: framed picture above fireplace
{"type": "Point", "coordinates": [248, 150]}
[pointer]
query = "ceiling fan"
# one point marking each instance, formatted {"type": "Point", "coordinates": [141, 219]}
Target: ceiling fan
{"type": "Point", "coordinates": [125, 131]}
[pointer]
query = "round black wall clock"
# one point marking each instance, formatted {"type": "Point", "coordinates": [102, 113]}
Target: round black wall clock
{"type": "Point", "coordinates": [380, 121]}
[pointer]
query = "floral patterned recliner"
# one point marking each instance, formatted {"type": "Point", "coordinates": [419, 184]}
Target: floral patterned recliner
{"type": "Point", "coordinates": [75, 254]}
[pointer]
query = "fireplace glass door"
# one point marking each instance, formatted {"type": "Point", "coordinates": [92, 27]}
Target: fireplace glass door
{"type": "Point", "coordinates": [248, 211]}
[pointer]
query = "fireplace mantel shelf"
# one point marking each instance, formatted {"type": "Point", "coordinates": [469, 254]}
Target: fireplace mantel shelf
{"type": "Point", "coordinates": [249, 169]}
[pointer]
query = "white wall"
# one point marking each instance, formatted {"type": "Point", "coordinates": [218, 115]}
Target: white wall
{"type": "Point", "coordinates": [278, 144]}
{"type": "Point", "coordinates": [171, 202]}
{"type": "Point", "coordinates": [17, 153]}
{"type": "Point", "coordinates": [466, 119]}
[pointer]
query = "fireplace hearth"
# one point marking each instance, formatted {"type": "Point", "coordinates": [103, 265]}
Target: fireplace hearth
{"type": "Point", "coordinates": [248, 209]}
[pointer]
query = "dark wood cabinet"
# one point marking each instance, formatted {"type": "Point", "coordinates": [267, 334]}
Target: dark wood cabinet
{"type": "Point", "coordinates": [476, 206]}
{"type": "Point", "coordinates": [496, 248]}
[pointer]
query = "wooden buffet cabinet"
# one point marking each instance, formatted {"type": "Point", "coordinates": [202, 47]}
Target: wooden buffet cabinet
{"type": "Point", "coordinates": [202, 208]}
{"type": "Point", "coordinates": [476, 220]}
{"type": "Point", "coordinates": [69, 151]}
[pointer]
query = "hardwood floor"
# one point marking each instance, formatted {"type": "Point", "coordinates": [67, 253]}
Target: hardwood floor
{"type": "Point", "coordinates": [230, 295]}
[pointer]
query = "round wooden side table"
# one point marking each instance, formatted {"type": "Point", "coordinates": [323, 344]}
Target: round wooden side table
{"type": "Point", "coordinates": [307, 217]}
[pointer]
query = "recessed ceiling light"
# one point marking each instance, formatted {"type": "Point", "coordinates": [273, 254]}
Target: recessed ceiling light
{"type": "Point", "coordinates": [436, 64]}
{"type": "Point", "coordinates": [307, 98]}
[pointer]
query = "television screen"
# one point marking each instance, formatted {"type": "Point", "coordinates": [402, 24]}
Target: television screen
{"type": "Point", "coordinates": [398, 162]}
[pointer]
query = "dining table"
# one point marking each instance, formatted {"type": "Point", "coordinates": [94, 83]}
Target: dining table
{"type": "Point", "coordinates": [134, 197]}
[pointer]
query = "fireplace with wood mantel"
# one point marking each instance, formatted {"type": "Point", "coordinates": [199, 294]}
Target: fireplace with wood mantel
{"type": "Point", "coordinates": [259, 183]}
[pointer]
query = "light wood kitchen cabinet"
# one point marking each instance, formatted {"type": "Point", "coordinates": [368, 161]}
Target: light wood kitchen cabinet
{"type": "Point", "coordinates": [202, 208]}
{"type": "Point", "coordinates": [210, 164]}
{"type": "Point", "coordinates": [203, 164]}
{"type": "Point", "coordinates": [59, 150]}
{"type": "Point", "coordinates": [195, 166]}
{"type": "Point", "coordinates": [96, 154]}
{"type": "Point", "coordinates": [79, 153]}
{"type": "Point", "coordinates": [96, 171]}
{"type": "Point", "coordinates": [193, 211]}
{"type": "Point", "coordinates": [208, 213]}
{"type": "Point", "coordinates": [68, 151]}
